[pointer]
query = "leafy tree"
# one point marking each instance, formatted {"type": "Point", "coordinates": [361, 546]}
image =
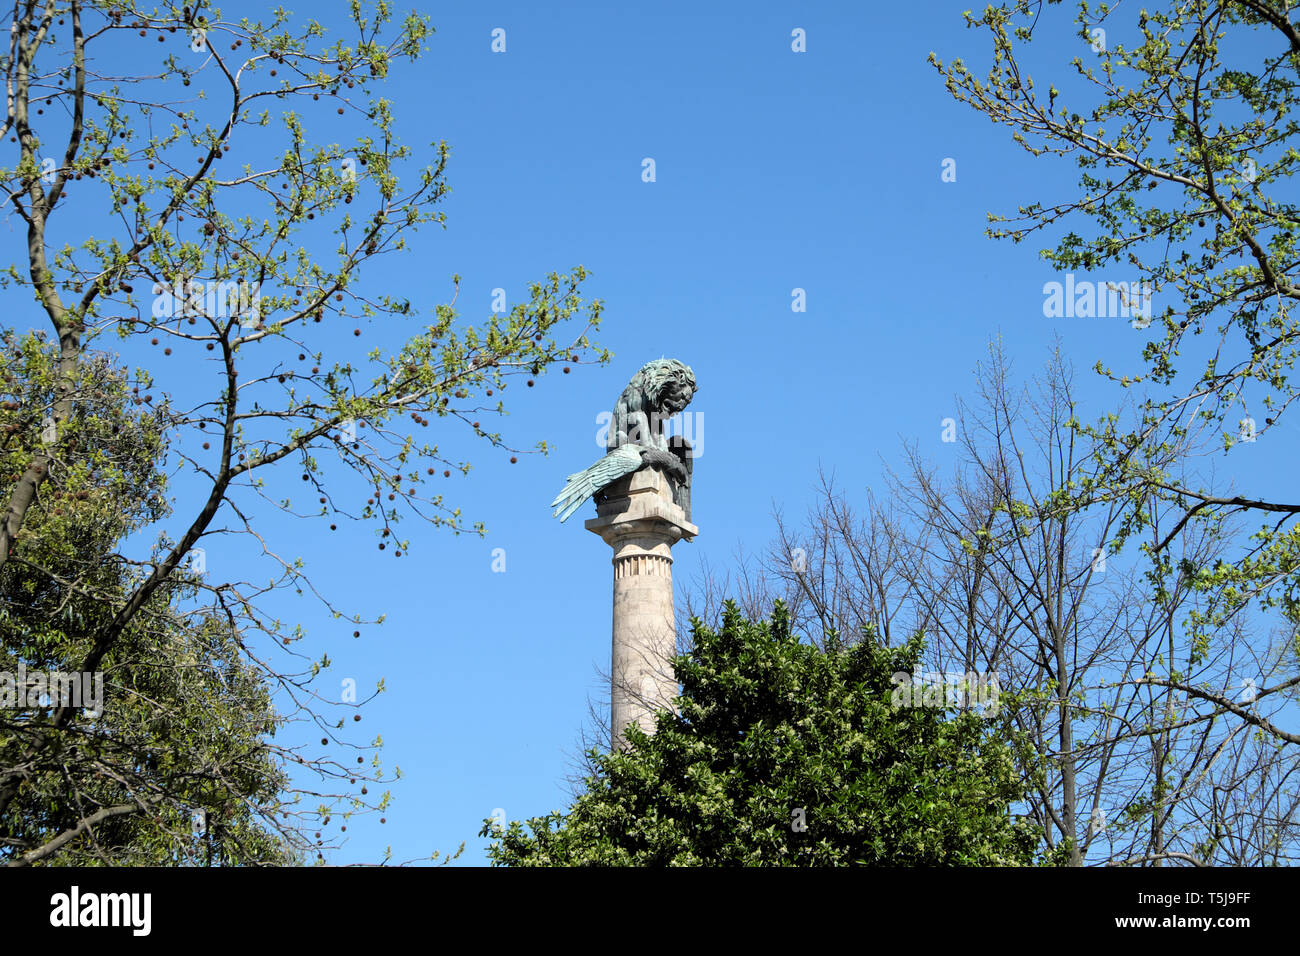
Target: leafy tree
{"type": "Point", "coordinates": [987, 562]}
{"type": "Point", "coordinates": [1181, 118]}
{"type": "Point", "coordinates": [785, 753]}
{"type": "Point", "coordinates": [169, 763]}
{"type": "Point", "coordinates": [216, 209]}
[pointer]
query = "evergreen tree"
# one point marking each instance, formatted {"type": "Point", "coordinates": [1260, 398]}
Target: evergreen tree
{"type": "Point", "coordinates": [168, 764]}
{"type": "Point", "coordinates": [784, 753]}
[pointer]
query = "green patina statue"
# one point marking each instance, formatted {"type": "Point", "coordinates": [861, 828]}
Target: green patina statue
{"type": "Point", "coordinates": [657, 392]}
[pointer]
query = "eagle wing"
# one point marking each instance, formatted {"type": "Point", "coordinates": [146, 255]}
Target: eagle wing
{"type": "Point", "coordinates": [581, 485]}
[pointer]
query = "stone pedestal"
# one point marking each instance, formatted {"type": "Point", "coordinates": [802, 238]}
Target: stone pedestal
{"type": "Point", "coordinates": [639, 520]}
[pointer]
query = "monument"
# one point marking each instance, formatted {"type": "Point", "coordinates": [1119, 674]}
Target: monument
{"type": "Point", "coordinates": [642, 490]}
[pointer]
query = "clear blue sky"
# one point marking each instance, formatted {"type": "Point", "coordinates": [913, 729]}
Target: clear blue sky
{"type": "Point", "coordinates": [775, 170]}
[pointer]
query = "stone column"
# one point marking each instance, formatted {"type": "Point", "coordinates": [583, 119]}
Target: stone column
{"type": "Point", "coordinates": [639, 520]}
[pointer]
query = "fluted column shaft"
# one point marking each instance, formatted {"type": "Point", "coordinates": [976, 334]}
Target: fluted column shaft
{"type": "Point", "coordinates": [639, 520]}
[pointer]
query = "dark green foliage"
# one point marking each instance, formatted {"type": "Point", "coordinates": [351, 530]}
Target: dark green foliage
{"type": "Point", "coordinates": [785, 754]}
{"type": "Point", "coordinates": [180, 747]}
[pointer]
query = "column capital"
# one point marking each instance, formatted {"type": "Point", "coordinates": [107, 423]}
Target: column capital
{"type": "Point", "coordinates": [640, 505]}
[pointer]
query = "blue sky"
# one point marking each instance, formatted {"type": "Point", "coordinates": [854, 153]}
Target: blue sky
{"type": "Point", "coordinates": [775, 170]}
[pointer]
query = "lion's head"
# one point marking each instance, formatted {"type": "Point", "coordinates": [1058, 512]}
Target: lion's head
{"type": "Point", "coordinates": [665, 385]}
